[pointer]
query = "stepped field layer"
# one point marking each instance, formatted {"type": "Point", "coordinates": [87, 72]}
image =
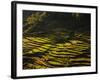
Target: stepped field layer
{"type": "Point", "coordinates": [45, 52]}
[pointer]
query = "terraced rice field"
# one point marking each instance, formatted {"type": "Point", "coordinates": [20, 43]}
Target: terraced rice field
{"type": "Point", "coordinates": [42, 52]}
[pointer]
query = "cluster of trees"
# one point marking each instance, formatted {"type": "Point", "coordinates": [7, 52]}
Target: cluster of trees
{"type": "Point", "coordinates": [39, 21]}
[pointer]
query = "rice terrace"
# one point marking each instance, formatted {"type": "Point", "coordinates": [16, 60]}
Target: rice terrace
{"type": "Point", "coordinates": [56, 39]}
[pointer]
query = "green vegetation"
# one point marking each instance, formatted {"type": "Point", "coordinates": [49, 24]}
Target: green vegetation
{"type": "Point", "coordinates": [53, 40]}
{"type": "Point", "coordinates": [55, 55]}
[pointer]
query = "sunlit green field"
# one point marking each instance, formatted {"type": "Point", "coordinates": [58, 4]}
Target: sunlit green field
{"type": "Point", "coordinates": [46, 52]}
